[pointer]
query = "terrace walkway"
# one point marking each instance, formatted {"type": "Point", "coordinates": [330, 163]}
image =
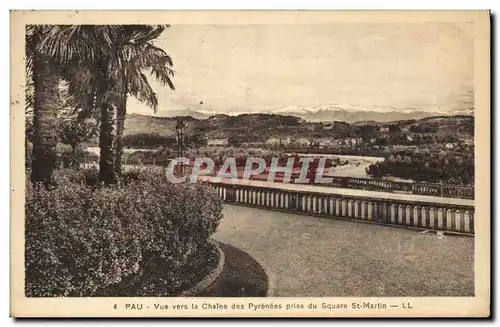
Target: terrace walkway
{"type": "Point", "coordinates": [312, 256]}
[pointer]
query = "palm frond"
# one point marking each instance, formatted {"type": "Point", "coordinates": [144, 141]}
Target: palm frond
{"type": "Point", "coordinates": [156, 60]}
{"type": "Point", "coordinates": [142, 90]}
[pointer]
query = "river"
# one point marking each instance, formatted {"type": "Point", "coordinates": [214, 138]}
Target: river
{"type": "Point", "coordinates": [355, 165]}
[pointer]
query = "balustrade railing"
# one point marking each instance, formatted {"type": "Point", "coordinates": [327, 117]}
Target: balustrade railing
{"type": "Point", "coordinates": [442, 190]}
{"type": "Point", "coordinates": [450, 215]}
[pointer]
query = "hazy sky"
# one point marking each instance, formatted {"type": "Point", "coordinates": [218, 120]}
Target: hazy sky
{"type": "Point", "coordinates": [238, 68]}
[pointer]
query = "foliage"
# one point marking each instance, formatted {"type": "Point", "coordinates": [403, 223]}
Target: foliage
{"type": "Point", "coordinates": [77, 240]}
{"type": "Point", "coordinates": [147, 140]}
{"type": "Point", "coordinates": [83, 238]}
{"type": "Point", "coordinates": [102, 65]}
{"type": "Point", "coordinates": [452, 167]}
{"type": "Point", "coordinates": [76, 131]}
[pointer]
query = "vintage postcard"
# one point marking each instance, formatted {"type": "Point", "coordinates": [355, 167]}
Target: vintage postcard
{"type": "Point", "coordinates": [250, 164]}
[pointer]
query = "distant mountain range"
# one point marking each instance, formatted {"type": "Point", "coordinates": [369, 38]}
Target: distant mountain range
{"type": "Point", "coordinates": [260, 126]}
{"type": "Point", "coordinates": [331, 113]}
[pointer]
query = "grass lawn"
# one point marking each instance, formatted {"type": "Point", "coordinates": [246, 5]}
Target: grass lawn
{"type": "Point", "coordinates": [310, 256]}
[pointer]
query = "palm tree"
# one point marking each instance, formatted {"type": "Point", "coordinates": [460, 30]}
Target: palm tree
{"type": "Point", "coordinates": [139, 56]}
{"type": "Point", "coordinates": [42, 72]}
{"type": "Point", "coordinates": [103, 65]}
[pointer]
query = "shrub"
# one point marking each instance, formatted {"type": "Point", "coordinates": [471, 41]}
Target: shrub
{"type": "Point", "coordinates": [77, 240]}
{"type": "Point", "coordinates": [177, 221]}
{"type": "Point", "coordinates": [82, 240]}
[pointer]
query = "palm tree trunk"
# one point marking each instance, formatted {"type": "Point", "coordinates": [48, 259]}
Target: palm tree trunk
{"type": "Point", "coordinates": [122, 111]}
{"type": "Point", "coordinates": [108, 142]}
{"type": "Point", "coordinates": [47, 103]}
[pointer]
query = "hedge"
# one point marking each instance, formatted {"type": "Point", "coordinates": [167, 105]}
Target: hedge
{"type": "Point", "coordinates": [83, 239]}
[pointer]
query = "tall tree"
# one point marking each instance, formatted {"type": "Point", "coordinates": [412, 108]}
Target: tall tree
{"type": "Point", "coordinates": [140, 56]}
{"type": "Point", "coordinates": [105, 64]}
{"type": "Point", "coordinates": [43, 73]}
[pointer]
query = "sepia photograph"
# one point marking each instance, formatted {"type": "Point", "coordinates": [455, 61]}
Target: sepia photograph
{"type": "Point", "coordinates": [194, 164]}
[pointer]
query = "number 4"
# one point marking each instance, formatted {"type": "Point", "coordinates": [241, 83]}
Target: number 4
{"type": "Point", "coordinates": [114, 307]}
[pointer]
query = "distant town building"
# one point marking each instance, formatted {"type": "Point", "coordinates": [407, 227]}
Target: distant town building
{"type": "Point", "coordinates": [303, 142]}
{"type": "Point", "coordinates": [383, 129]}
{"type": "Point", "coordinates": [255, 144]}
{"type": "Point", "coordinates": [217, 142]}
{"type": "Point", "coordinates": [325, 143]}
{"type": "Point", "coordinates": [278, 141]}
{"type": "Point", "coordinates": [449, 146]}
{"type": "Point", "coordinates": [351, 142]}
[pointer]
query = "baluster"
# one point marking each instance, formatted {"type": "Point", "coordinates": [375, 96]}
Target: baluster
{"type": "Point", "coordinates": [472, 219]}
{"type": "Point", "coordinates": [417, 217]}
{"type": "Point", "coordinates": [408, 215]}
{"type": "Point", "coordinates": [393, 214]}
{"type": "Point", "coordinates": [467, 221]}
{"type": "Point", "coordinates": [425, 217]}
{"type": "Point", "coordinates": [357, 209]}
{"type": "Point", "coordinates": [384, 217]}
{"type": "Point", "coordinates": [377, 210]}
{"type": "Point", "coordinates": [400, 214]}
{"type": "Point", "coordinates": [370, 210]}
{"type": "Point", "coordinates": [343, 208]}
{"type": "Point", "coordinates": [459, 221]}
{"type": "Point", "coordinates": [432, 218]}
{"type": "Point", "coordinates": [440, 218]}
{"type": "Point", "coordinates": [450, 221]}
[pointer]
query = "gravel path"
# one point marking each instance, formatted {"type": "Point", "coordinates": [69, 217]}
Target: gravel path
{"type": "Point", "coordinates": [309, 256]}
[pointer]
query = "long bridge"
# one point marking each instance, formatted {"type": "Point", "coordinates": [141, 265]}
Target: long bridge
{"type": "Point", "coordinates": [452, 215]}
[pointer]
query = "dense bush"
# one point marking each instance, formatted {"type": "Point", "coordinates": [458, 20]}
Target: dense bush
{"type": "Point", "coordinates": [82, 240]}
{"type": "Point", "coordinates": [452, 167]}
{"type": "Point", "coordinates": [146, 140]}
